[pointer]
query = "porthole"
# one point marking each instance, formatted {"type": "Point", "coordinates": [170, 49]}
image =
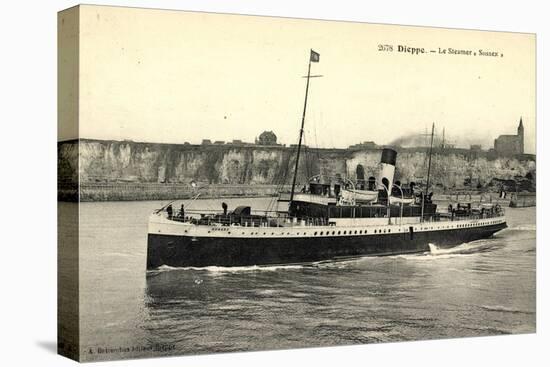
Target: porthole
{"type": "Point", "coordinates": [344, 232]}
{"type": "Point", "coordinates": [361, 232]}
{"type": "Point", "coordinates": [321, 233]}
{"type": "Point", "coordinates": [315, 233]}
{"type": "Point", "coordinates": [333, 232]}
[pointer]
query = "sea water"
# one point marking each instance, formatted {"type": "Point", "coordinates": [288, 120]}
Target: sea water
{"type": "Point", "coordinates": [481, 288]}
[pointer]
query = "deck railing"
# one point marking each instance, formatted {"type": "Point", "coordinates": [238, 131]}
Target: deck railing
{"type": "Point", "coordinates": [251, 221]}
{"type": "Point", "coordinates": [463, 216]}
{"type": "Point", "coordinates": [288, 221]}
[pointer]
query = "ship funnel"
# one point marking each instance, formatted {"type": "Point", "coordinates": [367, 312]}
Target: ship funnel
{"type": "Point", "coordinates": [387, 170]}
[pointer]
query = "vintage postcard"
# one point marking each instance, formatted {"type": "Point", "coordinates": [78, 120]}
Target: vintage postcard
{"type": "Point", "coordinates": [237, 183]}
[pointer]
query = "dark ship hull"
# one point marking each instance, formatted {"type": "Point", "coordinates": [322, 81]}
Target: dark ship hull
{"type": "Point", "coordinates": [188, 251]}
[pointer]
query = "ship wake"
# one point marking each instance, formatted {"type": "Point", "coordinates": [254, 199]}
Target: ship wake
{"type": "Point", "coordinates": [467, 248]}
{"type": "Point", "coordinates": [523, 227]}
{"type": "Point", "coordinates": [227, 269]}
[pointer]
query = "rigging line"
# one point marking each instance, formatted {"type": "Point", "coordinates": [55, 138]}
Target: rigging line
{"type": "Point", "coordinates": [275, 198]}
{"type": "Point", "coordinates": [280, 182]}
{"type": "Point", "coordinates": [301, 128]}
{"type": "Point", "coordinates": [271, 202]}
{"type": "Point", "coordinates": [306, 157]}
{"type": "Point", "coordinates": [317, 143]}
{"type": "Point", "coordinates": [278, 189]}
{"type": "Point", "coordinates": [282, 175]}
{"type": "Point", "coordinates": [283, 180]}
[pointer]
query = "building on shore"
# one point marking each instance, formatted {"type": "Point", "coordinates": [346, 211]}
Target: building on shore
{"type": "Point", "coordinates": [476, 148]}
{"type": "Point", "coordinates": [507, 145]}
{"type": "Point", "coordinates": [364, 145]}
{"type": "Point", "coordinates": [267, 138]}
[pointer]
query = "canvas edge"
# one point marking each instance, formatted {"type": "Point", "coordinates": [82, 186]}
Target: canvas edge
{"type": "Point", "coordinates": [68, 287]}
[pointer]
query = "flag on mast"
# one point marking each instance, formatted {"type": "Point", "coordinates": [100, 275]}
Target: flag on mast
{"type": "Point", "coordinates": [314, 57]}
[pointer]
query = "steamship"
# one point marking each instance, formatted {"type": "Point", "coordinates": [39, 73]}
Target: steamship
{"type": "Point", "coordinates": [329, 218]}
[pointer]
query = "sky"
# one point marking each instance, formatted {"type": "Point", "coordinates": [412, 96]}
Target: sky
{"type": "Point", "coordinates": [174, 77]}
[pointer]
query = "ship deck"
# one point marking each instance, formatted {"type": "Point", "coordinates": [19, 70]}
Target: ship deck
{"type": "Point", "coordinates": [277, 227]}
{"type": "Point", "coordinates": [261, 221]}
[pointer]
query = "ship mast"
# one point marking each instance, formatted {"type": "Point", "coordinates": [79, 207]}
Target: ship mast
{"type": "Point", "coordinates": [430, 159]}
{"type": "Point", "coordinates": [429, 168]}
{"type": "Point", "coordinates": [314, 57]}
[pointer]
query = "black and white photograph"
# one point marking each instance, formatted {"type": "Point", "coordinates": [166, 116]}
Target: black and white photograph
{"type": "Point", "coordinates": [274, 183]}
{"type": "Point", "coordinates": [238, 183]}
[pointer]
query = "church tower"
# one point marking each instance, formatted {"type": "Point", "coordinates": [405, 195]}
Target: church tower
{"type": "Point", "coordinates": [520, 136]}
